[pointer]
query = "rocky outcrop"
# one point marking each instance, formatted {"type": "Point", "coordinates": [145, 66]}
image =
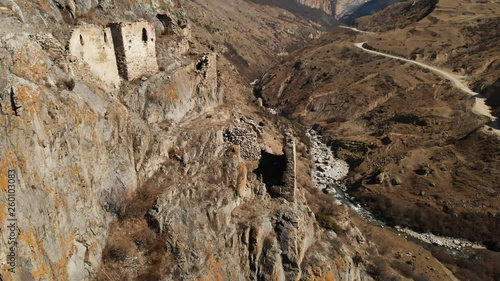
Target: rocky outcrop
{"type": "Point", "coordinates": [213, 218]}
{"type": "Point", "coordinates": [398, 16]}
{"type": "Point", "coordinates": [347, 10]}
{"type": "Point", "coordinates": [324, 5]}
{"type": "Point", "coordinates": [86, 156]}
{"type": "Point", "coordinates": [60, 134]}
{"type": "Point", "coordinates": [78, 148]}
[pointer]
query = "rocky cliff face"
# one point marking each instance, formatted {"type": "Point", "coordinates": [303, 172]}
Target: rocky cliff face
{"type": "Point", "coordinates": [381, 115]}
{"type": "Point", "coordinates": [324, 5]}
{"type": "Point", "coordinates": [77, 147]}
{"type": "Point", "coordinates": [138, 181]}
{"type": "Point", "coordinates": [347, 10]}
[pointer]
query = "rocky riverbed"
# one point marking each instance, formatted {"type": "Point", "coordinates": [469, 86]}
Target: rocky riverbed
{"type": "Point", "coordinates": [448, 242]}
{"type": "Point", "coordinates": [329, 170]}
{"type": "Point", "coordinates": [328, 176]}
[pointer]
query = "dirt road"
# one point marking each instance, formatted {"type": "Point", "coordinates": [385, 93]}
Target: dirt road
{"type": "Point", "coordinates": [480, 106]}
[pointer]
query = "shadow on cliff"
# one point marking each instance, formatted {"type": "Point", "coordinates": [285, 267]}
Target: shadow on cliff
{"type": "Point", "coordinates": [271, 169]}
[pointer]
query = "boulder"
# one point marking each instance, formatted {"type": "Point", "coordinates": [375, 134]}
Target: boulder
{"type": "Point", "coordinates": [396, 181]}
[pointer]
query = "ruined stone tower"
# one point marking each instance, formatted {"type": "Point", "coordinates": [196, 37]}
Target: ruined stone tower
{"type": "Point", "coordinates": [135, 49]}
{"type": "Point", "coordinates": [289, 175]}
{"type": "Point", "coordinates": [94, 45]}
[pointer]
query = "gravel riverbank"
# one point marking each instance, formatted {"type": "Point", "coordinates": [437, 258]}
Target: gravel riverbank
{"type": "Point", "coordinates": [328, 176]}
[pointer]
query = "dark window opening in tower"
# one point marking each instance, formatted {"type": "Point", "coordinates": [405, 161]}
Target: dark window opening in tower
{"type": "Point", "coordinates": [144, 35]}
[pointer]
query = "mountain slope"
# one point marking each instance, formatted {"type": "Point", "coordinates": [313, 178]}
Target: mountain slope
{"type": "Point", "coordinates": [418, 155]}
{"type": "Point", "coordinates": [157, 177]}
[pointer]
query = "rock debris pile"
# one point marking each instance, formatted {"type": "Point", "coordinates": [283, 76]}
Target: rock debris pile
{"type": "Point", "coordinates": [49, 43]}
{"type": "Point", "coordinates": [329, 170]}
{"type": "Point", "coordinates": [244, 133]}
{"type": "Point", "coordinates": [441, 241]}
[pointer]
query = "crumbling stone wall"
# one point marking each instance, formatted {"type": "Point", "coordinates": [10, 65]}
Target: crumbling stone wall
{"type": "Point", "coordinates": [94, 45]}
{"type": "Point", "coordinates": [244, 135]}
{"type": "Point", "coordinates": [290, 174]}
{"type": "Point", "coordinates": [285, 167]}
{"type": "Point", "coordinates": [135, 49]}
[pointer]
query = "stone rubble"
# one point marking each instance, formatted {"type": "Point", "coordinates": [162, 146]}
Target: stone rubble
{"type": "Point", "coordinates": [441, 241]}
{"type": "Point", "coordinates": [244, 133]}
{"type": "Point", "coordinates": [329, 170]}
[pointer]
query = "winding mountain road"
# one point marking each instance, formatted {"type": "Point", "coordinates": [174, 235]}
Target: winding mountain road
{"type": "Point", "coordinates": [480, 106]}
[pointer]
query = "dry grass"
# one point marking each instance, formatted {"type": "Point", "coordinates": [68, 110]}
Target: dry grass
{"type": "Point", "coordinates": [482, 265]}
{"type": "Point", "coordinates": [135, 249]}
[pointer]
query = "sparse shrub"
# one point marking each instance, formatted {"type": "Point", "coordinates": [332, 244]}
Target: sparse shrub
{"type": "Point", "coordinates": [421, 278]}
{"type": "Point", "coordinates": [298, 65]}
{"type": "Point", "coordinates": [405, 269]}
{"type": "Point", "coordinates": [142, 236]}
{"type": "Point", "coordinates": [141, 202]}
{"type": "Point", "coordinates": [378, 268]}
{"type": "Point", "coordinates": [117, 248]}
{"type": "Point", "coordinates": [327, 222]}
{"type": "Point", "coordinates": [358, 259]}
{"type": "Point", "coordinates": [384, 247]}
{"type": "Point", "coordinates": [151, 275]}
{"type": "Point", "coordinates": [67, 83]}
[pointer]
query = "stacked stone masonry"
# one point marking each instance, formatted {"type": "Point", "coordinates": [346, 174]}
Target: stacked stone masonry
{"type": "Point", "coordinates": [243, 134]}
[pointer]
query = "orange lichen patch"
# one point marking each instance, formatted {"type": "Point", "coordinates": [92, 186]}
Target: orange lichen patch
{"type": "Point", "coordinates": [45, 6]}
{"type": "Point", "coordinates": [3, 212]}
{"type": "Point", "coordinates": [29, 237]}
{"type": "Point", "coordinates": [77, 176]}
{"type": "Point", "coordinates": [61, 268]}
{"type": "Point", "coordinates": [57, 201]}
{"type": "Point", "coordinates": [25, 96]}
{"type": "Point", "coordinates": [93, 246]}
{"type": "Point", "coordinates": [26, 65]}
{"type": "Point", "coordinates": [318, 275]}
{"type": "Point", "coordinates": [32, 241]}
{"type": "Point", "coordinates": [62, 264]}
{"type": "Point", "coordinates": [6, 276]}
{"type": "Point", "coordinates": [42, 271]}
{"type": "Point", "coordinates": [215, 272]}
{"type": "Point", "coordinates": [340, 262]}
{"type": "Point", "coordinates": [329, 276]}
{"type": "Point", "coordinates": [37, 179]}
{"type": "Point", "coordinates": [8, 159]}
{"type": "Point", "coordinates": [68, 242]}
{"type": "Point", "coordinates": [171, 93]}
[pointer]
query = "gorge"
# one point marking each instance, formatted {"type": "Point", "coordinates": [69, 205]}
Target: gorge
{"type": "Point", "coordinates": [141, 151]}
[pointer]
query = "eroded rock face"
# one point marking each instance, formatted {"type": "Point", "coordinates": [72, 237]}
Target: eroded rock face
{"type": "Point", "coordinates": [324, 5]}
{"type": "Point", "coordinates": [347, 9]}
{"type": "Point", "coordinates": [53, 137]}
{"type": "Point", "coordinates": [80, 149]}
{"type": "Point", "coordinates": [76, 148]}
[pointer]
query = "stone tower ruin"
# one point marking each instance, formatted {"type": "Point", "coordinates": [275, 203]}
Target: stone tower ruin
{"type": "Point", "coordinates": [290, 173]}
{"type": "Point", "coordinates": [94, 45]}
{"type": "Point", "coordinates": [135, 48]}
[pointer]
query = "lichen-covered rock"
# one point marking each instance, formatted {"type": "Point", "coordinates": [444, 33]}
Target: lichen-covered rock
{"type": "Point", "coordinates": [81, 150]}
